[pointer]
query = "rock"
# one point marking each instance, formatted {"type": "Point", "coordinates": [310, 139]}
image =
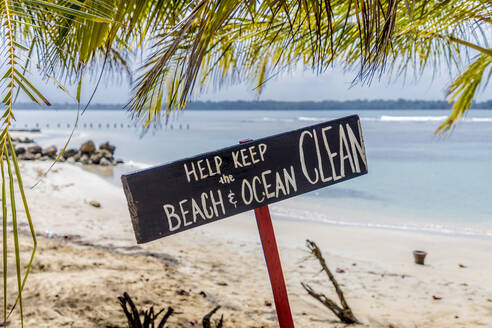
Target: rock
{"type": "Point", "coordinates": [37, 156]}
{"type": "Point", "coordinates": [20, 150]}
{"type": "Point", "coordinates": [25, 140]}
{"type": "Point", "coordinates": [96, 157]}
{"type": "Point", "coordinates": [20, 140]}
{"type": "Point", "coordinates": [101, 153]}
{"type": "Point", "coordinates": [77, 156]}
{"type": "Point", "coordinates": [26, 157]}
{"type": "Point", "coordinates": [95, 203]}
{"type": "Point", "coordinates": [107, 146]}
{"type": "Point", "coordinates": [119, 161]}
{"type": "Point", "coordinates": [106, 154]}
{"type": "Point", "coordinates": [69, 153]}
{"type": "Point", "coordinates": [84, 159]}
{"type": "Point", "coordinates": [70, 160]}
{"type": "Point", "coordinates": [34, 149]}
{"type": "Point", "coordinates": [50, 151]}
{"type": "Point", "coordinates": [104, 162]}
{"type": "Point", "coordinates": [44, 158]}
{"type": "Point", "coordinates": [88, 148]}
{"type": "Point", "coordinates": [61, 159]}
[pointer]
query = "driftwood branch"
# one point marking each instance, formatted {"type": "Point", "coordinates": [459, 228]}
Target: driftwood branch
{"type": "Point", "coordinates": [344, 313]}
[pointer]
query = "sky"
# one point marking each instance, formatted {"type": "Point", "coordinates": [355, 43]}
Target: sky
{"type": "Point", "coordinates": [334, 84]}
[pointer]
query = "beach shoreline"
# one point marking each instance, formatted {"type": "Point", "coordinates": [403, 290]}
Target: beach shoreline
{"type": "Point", "coordinates": [224, 259]}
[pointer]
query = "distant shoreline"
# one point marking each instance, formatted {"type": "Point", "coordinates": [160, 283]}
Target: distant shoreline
{"type": "Point", "coordinates": [399, 104]}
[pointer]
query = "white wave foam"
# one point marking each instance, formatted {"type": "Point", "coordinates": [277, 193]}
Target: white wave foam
{"type": "Point", "coordinates": [319, 119]}
{"type": "Point", "coordinates": [478, 119]}
{"type": "Point", "coordinates": [388, 118]}
{"type": "Point", "coordinates": [273, 119]}
{"type": "Point", "coordinates": [310, 119]}
{"type": "Point", "coordinates": [138, 165]}
{"type": "Point", "coordinates": [383, 118]}
{"type": "Point", "coordinates": [306, 215]}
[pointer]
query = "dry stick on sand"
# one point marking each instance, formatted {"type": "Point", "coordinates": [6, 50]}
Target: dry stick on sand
{"type": "Point", "coordinates": [206, 319]}
{"type": "Point", "coordinates": [133, 315]}
{"type": "Point", "coordinates": [344, 313]}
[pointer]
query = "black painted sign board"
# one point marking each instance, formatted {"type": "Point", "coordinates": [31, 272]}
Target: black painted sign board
{"type": "Point", "coordinates": [171, 198]}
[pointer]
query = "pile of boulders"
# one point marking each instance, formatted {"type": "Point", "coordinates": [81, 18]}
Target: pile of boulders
{"type": "Point", "coordinates": [86, 154]}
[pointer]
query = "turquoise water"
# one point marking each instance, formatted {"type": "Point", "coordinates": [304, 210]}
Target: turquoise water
{"type": "Point", "coordinates": [416, 180]}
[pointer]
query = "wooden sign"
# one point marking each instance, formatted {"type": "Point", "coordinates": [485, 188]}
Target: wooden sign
{"type": "Point", "coordinates": [171, 198]}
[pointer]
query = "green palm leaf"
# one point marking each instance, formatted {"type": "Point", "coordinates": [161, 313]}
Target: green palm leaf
{"type": "Point", "coordinates": [216, 42]}
{"type": "Point", "coordinates": [45, 28]}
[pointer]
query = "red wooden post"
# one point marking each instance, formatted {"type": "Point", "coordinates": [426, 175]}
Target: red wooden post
{"type": "Point", "coordinates": [274, 266]}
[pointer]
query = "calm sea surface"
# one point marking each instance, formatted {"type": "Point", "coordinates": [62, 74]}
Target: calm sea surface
{"type": "Point", "coordinates": [416, 181]}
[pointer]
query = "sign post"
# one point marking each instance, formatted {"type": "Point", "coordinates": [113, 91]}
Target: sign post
{"type": "Point", "coordinates": [272, 259]}
{"type": "Point", "coordinates": [274, 266]}
{"type": "Point", "coordinates": [175, 197]}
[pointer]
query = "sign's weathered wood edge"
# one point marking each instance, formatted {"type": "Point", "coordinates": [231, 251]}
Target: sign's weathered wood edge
{"type": "Point", "coordinates": [139, 182]}
{"type": "Point", "coordinates": [132, 208]}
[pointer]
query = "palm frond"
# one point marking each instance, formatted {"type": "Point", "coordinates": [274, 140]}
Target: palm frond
{"type": "Point", "coordinates": [42, 28]}
{"type": "Point", "coordinates": [215, 42]}
{"type": "Point", "coordinates": [464, 88]}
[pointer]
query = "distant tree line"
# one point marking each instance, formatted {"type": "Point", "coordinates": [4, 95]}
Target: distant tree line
{"type": "Point", "coordinates": [359, 104]}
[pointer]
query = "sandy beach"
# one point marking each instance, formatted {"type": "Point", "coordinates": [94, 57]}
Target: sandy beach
{"type": "Point", "coordinates": [88, 256]}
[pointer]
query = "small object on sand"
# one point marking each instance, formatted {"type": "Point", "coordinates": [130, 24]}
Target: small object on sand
{"type": "Point", "coordinates": [268, 303]}
{"type": "Point", "coordinates": [202, 293]}
{"type": "Point", "coordinates": [340, 270]}
{"type": "Point", "coordinates": [419, 257]}
{"type": "Point", "coordinates": [95, 203]}
{"type": "Point", "coordinates": [436, 298]}
{"type": "Point", "coordinates": [182, 292]}
{"type": "Point", "coordinates": [462, 265]}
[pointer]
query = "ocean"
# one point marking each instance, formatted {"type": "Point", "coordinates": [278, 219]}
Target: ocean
{"type": "Point", "coordinates": [417, 180]}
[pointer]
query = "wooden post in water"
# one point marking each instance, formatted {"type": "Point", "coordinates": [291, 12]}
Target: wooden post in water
{"type": "Point", "coordinates": [274, 266]}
